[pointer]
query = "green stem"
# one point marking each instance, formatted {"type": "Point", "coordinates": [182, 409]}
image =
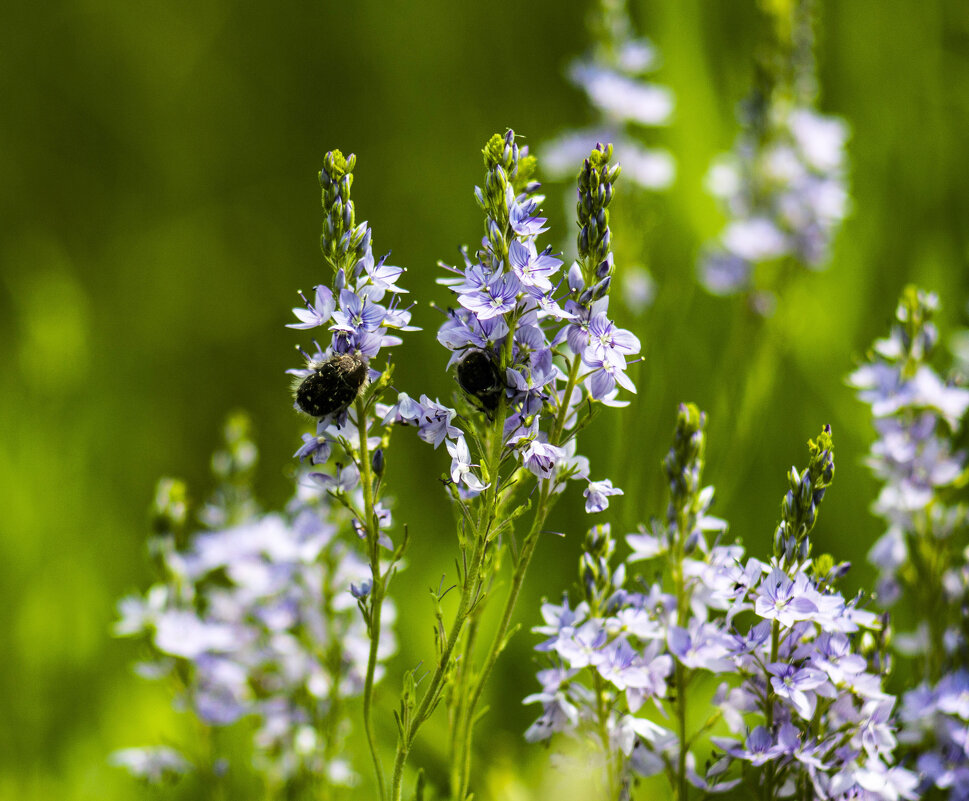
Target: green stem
{"type": "Point", "coordinates": [377, 593]}
{"type": "Point", "coordinates": [498, 641]}
{"type": "Point", "coordinates": [559, 426]}
{"type": "Point", "coordinates": [466, 736]}
{"type": "Point", "coordinates": [775, 639]}
{"type": "Point", "coordinates": [429, 699]}
{"type": "Point", "coordinates": [469, 594]}
{"type": "Point", "coordinates": [460, 695]}
{"type": "Point", "coordinates": [682, 601]}
{"type": "Point", "coordinates": [603, 715]}
{"type": "Point", "coordinates": [681, 783]}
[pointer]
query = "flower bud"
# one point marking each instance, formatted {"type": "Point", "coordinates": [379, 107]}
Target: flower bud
{"type": "Point", "coordinates": [576, 281]}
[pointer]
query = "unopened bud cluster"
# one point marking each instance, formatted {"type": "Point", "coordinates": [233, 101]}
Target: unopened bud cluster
{"type": "Point", "coordinates": [799, 509]}
{"type": "Point", "coordinates": [342, 241]}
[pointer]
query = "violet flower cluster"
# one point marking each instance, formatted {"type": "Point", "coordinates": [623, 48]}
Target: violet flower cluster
{"type": "Point", "coordinates": [784, 187]}
{"type": "Point", "coordinates": [359, 312]}
{"type": "Point", "coordinates": [921, 557]}
{"type": "Point", "coordinates": [341, 387]}
{"type": "Point", "coordinates": [254, 618]}
{"type": "Point", "coordinates": [784, 192]}
{"type": "Point", "coordinates": [544, 339]}
{"type": "Point", "coordinates": [359, 308]}
{"type": "Point", "coordinates": [627, 109]}
{"type": "Point", "coordinates": [613, 79]}
{"type": "Point", "coordinates": [534, 353]}
{"type": "Point", "coordinates": [800, 689]}
{"type": "Point", "coordinates": [916, 415]}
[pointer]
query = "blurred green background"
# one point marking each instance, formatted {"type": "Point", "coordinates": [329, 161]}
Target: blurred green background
{"type": "Point", "coordinates": [159, 209]}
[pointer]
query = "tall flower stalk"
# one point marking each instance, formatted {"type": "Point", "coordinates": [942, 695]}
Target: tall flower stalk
{"type": "Point", "coordinates": [783, 187]}
{"type": "Point", "coordinates": [625, 104]}
{"type": "Point", "coordinates": [922, 556]}
{"type": "Point", "coordinates": [628, 108]}
{"type": "Point", "coordinates": [534, 353]}
{"type": "Point", "coordinates": [341, 387]}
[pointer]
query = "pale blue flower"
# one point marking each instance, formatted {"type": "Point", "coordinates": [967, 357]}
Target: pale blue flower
{"type": "Point", "coordinates": [318, 313]}
{"type": "Point", "coordinates": [496, 297]}
{"type": "Point", "coordinates": [797, 685]}
{"type": "Point", "coordinates": [701, 645]}
{"type": "Point", "coordinates": [582, 647]}
{"type": "Point", "coordinates": [541, 458]}
{"type": "Point", "coordinates": [532, 268]}
{"type": "Point", "coordinates": [597, 495]}
{"type": "Point", "coordinates": [155, 764]}
{"type": "Point", "coordinates": [786, 601]}
{"type": "Point", "coordinates": [461, 472]}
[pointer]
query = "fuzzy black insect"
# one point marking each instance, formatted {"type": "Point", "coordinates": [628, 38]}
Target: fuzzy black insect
{"type": "Point", "coordinates": [478, 375]}
{"type": "Point", "coordinates": [333, 385]}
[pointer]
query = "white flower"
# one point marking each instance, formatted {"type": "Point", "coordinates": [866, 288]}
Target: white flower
{"type": "Point", "coordinates": [461, 465]}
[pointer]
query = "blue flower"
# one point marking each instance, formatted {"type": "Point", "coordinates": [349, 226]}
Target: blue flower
{"type": "Point", "coordinates": [317, 447]}
{"type": "Point", "coordinates": [532, 268]}
{"type": "Point", "coordinates": [784, 191]}
{"type": "Point", "coordinates": [597, 495]}
{"type": "Point", "coordinates": [493, 297]}
{"type": "Point", "coordinates": [380, 277]}
{"type": "Point", "coordinates": [606, 341]}
{"type": "Point", "coordinates": [606, 372]}
{"type": "Point", "coordinates": [541, 458]}
{"type": "Point", "coordinates": [561, 622]}
{"type": "Point", "coordinates": [786, 601]}
{"type": "Point", "coordinates": [797, 685]}
{"type": "Point", "coordinates": [702, 645]}
{"type": "Point", "coordinates": [346, 480]}
{"type": "Point", "coordinates": [318, 313]}
{"type": "Point", "coordinates": [357, 313]}
{"type": "Point", "coordinates": [521, 215]}
{"type": "Point", "coordinates": [582, 648]}
{"type": "Point", "coordinates": [758, 748]}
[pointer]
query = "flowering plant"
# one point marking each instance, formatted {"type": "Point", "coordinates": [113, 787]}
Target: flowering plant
{"type": "Point", "coordinates": [612, 77]}
{"type": "Point", "coordinates": [254, 618]}
{"type": "Point", "coordinates": [798, 669]}
{"type": "Point", "coordinates": [922, 556]}
{"type": "Point", "coordinates": [284, 620]}
{"type": "Point", "coordinates": [534, 353]}
{"type": "Point", "coordinates": [783, 187]}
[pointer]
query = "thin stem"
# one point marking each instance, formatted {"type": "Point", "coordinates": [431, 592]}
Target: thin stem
{"type": "Point", "coordinates": [559, 426]}
{"type": "Point", "coordinates": [775, 638]}
{"type": "Point", "coordinates": [466, 737]}
{"type": "Point", "coordinates": [377, 593]}
{"type": "Point", "coordinates": [681, 680]}
{"type": "Point", "coordinates": [682, 601]}
{"type": "Point", "coordinates": [429, 699]}
{"type": "Point", "coordinates": [460, 695]}
{"type": "Point", "coordinates": [603, 715]}
{"type": "Point", "coordinates": [498, 641]}
{"type": "Point", "coordinates": [470, 592]}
